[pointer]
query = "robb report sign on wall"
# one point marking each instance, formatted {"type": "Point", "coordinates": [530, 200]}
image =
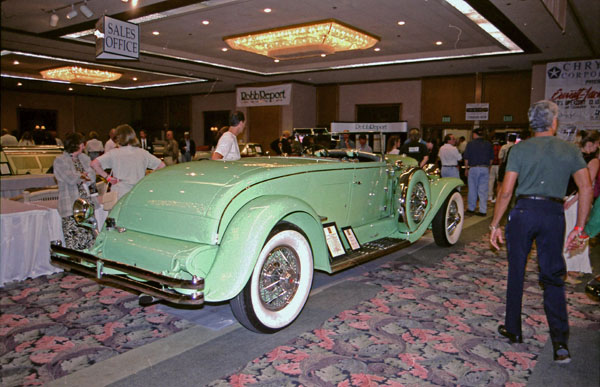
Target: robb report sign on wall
{"type": "Point", "coordinates": [264, 96]}
{"type": "Point", "coordinates": [575, 87]}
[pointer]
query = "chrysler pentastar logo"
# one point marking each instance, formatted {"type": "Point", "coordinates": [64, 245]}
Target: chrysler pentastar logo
{"type": "Point", "coordinates": [554, 73]}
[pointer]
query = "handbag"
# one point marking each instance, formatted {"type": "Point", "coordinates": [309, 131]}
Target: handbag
{"type": "Point", "coordinates": [110, 198]}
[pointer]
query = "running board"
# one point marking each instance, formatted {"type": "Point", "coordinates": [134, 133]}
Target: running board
{"type": "Point", "coordinates": [368, 252]}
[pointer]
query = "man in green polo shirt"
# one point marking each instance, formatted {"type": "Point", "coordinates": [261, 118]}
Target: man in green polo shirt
{"type": "Point", "coordinates": [542, 166]}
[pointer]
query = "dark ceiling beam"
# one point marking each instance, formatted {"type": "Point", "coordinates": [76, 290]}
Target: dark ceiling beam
{"type": "Point", "coordinates": [127, 15]}
{"type": "Point", "coordinates": [504, 24]}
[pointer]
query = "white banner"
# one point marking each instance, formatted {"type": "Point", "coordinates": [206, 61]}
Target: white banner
{"type": "Point", "coordinates": [264, 96]}
{"type": "Point", "coordinates": [477, 111]}
{"type": "Point", "coordinates": [575, 88]}
{"type": "Point", "coordinates": [362, 127]}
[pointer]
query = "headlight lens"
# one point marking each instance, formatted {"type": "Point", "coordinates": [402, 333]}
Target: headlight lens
{"type": "Point", "coordinates": [82, 210]}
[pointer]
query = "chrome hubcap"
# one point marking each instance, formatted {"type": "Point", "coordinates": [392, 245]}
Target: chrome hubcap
{"type": "Point", "coordinates": [418, 203]}
{"type": "Point", "coordinates": [279, 278]}
{"type": "Point", "coordinates": [453, 219]}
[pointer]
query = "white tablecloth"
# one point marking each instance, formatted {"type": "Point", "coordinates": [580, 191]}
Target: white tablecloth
{"type": "Point", "coordinates": [11, 186]}
{"type": "Point", "coordinates": [27, 230]}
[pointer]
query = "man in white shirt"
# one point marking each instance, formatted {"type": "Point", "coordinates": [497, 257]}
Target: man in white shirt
{"type": "Point", "coordinates": [227, 148]}
{"type": "Point", "coordinates": [8, 139]}
{"type": "Point", "coordinates": [111, 144]}
{"type": "Point", "coordinates": [449, 157]}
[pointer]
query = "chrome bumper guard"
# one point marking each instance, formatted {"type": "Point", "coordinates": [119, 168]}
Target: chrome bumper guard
{"type": "Point", "coordinates": [72, 260]}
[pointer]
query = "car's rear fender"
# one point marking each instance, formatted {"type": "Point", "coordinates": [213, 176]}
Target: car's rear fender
{"type": "Point", "coordinates": [245, 236]}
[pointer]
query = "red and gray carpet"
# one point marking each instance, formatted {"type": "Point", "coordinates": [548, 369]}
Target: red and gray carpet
{"type": "Point", "coordinates": [54, 325]}
{"type": "Point", "coordinates": [428, 325]}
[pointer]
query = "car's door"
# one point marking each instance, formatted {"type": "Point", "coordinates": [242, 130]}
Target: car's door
{"type": "Point", "coordinates": [367, 193]}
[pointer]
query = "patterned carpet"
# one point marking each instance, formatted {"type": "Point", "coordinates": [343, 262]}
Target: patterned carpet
{"type": "Point", "coordinates": [54, 325]}
{"type": "Point", "coordinates": [427, 326]}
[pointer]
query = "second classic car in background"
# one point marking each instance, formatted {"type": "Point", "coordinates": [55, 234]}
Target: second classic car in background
{"type": "Point", "coordinates": [252, 231]}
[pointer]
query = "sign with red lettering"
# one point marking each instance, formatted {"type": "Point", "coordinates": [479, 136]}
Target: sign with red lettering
{"type": "Point", "coordinates": [575, 87]}
{"type": "Point", "coordinates": [116, 39]}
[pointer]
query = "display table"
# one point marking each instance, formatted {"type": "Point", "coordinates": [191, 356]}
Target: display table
{"type": "Point", "coordinates": [27, 230]}
{"type": "Point", "coordinates": [11, 186]}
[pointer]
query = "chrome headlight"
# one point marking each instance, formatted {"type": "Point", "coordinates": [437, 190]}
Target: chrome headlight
{"type": "Point", "coordinates": [82, 210]}
{"type": "Point", "coordinates": [431, 169]}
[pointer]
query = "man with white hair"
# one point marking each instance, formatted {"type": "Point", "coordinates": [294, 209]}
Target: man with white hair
{"type": "Point", "coordinates": [542, 166]}
{"type": "Point", "coordinates": [111, 144]}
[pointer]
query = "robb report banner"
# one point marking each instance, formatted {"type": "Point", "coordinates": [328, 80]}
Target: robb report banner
{"type": "Point", "coordinates": [264, 96]}
{"type": "Point", "coordinates": [575, 87]}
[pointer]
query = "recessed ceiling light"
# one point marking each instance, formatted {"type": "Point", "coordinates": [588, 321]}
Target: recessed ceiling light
{"type": "Point", "coordinates": [276, 61]}
{"type": "Point", "coordinates": [134, 78]}
{"type": "Point", "coordinates": [155, 33]}
{"type": "Point", "coordinates": [401, 23]}
{"type": "Point", "coordinates": [70, 89]}
{"type": "Point", "coordinates": [19, 84]}
{"type": "Point", "coordinates": [377, 49]}
{"type": "Point", "coordinates": [438, 43]}
{"type": "Point", "coordinates": [224, 49]}
{"type": "Point", "coordinates": [267, 10]}
{"type": "Point", "coordinates": [205, 22]}
{"type": "Point", "coordinates": [323, 55]}
{"type": "Point", "coordinates": [16, 62]}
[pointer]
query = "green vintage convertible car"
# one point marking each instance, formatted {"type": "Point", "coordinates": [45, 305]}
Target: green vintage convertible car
{"type": "Point", "coordinates": [252, 231]}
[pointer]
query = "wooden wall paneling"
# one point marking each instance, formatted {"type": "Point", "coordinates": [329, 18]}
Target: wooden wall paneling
{"type": "Point", "coordinates": [327, 105]}
{"type": "Point", "coordinates": [154, 117]}
{"type": "Point", "coordinates": [180, 114]}
{"type": "Point", "coordinates": [508, 95]}
{"type": "Point", "coordinates": [263, 125]}
{"type": "Point", "coordinates": [446, 96]}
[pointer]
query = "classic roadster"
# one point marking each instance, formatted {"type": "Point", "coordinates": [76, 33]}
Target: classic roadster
{"type": "Point", "coordinates": [252, 231]}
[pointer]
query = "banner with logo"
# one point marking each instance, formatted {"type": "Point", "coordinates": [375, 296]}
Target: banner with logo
{"type": "Point", "coordinates": [575, 87]}
{"type": "Point", "coordinates": [363, 127]}
{"type": "Point", "coordinates": [264, 96]}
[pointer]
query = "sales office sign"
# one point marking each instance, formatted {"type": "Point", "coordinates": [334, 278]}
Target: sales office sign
{"type": "Point", "coordinates": [117, 39]}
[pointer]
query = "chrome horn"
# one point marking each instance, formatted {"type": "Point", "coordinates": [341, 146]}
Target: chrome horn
{"type": "Point", "coordinates": [83, 212]}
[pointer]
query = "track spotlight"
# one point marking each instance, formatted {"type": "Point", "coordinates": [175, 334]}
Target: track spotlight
{"type": "Point", "coordinates": [53, 19]}
{"type": "Point", "coordinates": [85, 10]}
{"type": "Point", "coordinates": [72, 13]}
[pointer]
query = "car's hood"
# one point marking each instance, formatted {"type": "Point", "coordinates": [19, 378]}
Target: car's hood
{"type": "Point", "coordinates": [186, 201]}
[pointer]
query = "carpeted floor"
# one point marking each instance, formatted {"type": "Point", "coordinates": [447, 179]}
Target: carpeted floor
{"type": "Point", "coordinates": [54, 325]}
{"type": "Point", "coordinates": [427, 326]}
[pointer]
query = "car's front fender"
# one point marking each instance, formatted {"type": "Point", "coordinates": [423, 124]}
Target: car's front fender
{"type": "Point", "coordinates": [245, 236]}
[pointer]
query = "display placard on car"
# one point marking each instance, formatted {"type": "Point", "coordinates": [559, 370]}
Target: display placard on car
{"type": "Point", "coordinates": [351, 238]}
{"type": "Point", "coordinates": [334, 243]}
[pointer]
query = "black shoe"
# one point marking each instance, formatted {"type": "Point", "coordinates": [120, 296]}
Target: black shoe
{"type": "Point", "coordinates": [512, 337]}
{"type": "Point", "coordinates": [470, 212]}
{"type": "Point", "coordinates": [561, 353]}
{"type": "Point", "coordinates": [481, 214]}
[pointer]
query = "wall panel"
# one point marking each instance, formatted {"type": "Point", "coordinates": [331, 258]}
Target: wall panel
{"type": "Point", "coordinates": [508, 95]}
{"type": "Point", "coordinates": [446, 96]}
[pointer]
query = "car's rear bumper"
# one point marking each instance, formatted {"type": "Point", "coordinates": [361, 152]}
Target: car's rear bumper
{"type": "Point", "coordinates": [145, 281]}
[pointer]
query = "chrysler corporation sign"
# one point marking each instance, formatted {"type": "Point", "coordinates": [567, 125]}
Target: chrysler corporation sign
{"type": "Point", "coordinates": [117, 39]}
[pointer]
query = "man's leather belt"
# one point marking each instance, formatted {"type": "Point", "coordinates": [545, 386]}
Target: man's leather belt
{"type": "Point", "coordinates": [480, 165]}
{"type": "Point", "coordinates": [538, 197]}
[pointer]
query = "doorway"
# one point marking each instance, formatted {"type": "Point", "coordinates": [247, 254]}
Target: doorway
{"type": "Point", "coordinates": [36, 120]}
{"type": "Point", "coordinates": [213, 121]}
